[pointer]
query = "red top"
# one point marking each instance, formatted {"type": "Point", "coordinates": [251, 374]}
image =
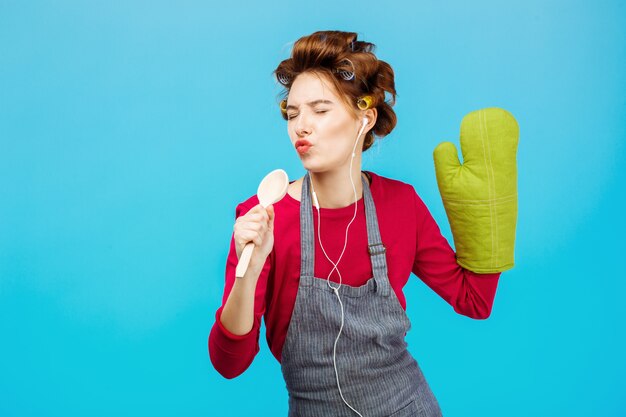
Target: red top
{"type": "Point", "coordinates": [413, 243]}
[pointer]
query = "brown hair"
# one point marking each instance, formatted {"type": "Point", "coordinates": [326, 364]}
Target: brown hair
{"type": "Point", "coordinates": [331, 52]}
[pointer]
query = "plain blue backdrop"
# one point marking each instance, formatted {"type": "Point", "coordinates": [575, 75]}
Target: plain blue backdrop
{"type": "Point", "coordinates": [129, 131]}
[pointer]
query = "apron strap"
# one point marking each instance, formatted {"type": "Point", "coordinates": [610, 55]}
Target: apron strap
{"type": "Point", "coordinates": [307, 236]}
{"type": "Point", "coordinates": [376, 247]}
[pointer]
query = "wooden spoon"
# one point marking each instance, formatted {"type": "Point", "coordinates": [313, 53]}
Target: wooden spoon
{"type": "Point", "coordinates": [271, 190]}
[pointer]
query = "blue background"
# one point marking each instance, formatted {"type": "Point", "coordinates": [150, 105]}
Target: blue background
{"type": "Point", "coordinates": [129, 131]}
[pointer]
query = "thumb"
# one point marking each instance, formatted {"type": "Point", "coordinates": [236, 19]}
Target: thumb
{"type": "Point", "coordinates": [446, 160]}
{"type": "Point", "coordinates": [270, 212]}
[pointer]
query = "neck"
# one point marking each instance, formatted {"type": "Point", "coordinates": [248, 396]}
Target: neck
{"type": "Point", "coordinates": [334, 189]}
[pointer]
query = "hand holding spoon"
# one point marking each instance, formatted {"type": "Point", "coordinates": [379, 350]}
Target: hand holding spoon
{"type": "Point", "coordinates": [271, 190]}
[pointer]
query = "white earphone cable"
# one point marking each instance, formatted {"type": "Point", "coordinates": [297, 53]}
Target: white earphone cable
{"type": "Point", "coordinates": [336, 289]}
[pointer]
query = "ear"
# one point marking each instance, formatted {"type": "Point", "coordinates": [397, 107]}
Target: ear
{"type": "Point", "coordinates": [371, 115]}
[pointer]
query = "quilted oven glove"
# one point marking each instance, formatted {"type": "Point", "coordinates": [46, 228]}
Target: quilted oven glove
{"type": "Point", "coordinates": [480, 195]}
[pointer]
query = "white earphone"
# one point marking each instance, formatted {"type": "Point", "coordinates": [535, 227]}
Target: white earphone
{"type": "Point", "coordinates": [336, 289]}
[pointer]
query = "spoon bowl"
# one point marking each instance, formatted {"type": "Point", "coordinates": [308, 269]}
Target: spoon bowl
{"type": "Point", "coordinates": [273, 187]}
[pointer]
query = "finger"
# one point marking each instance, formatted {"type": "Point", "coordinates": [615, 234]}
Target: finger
{"type": "Point", "coordinates": [246, 233]}
{"type": "Point", "coordinates": [258, 208]}
{"type": "Point", "coordinates": [253, 226]}
{"type": "Point", "coordinates": [252, 237]}
{"type": "Point", "coordinates": [247, 236]}
{"type": "Point", "coordinates": [256, 217]}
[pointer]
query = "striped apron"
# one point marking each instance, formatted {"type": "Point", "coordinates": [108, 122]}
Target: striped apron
{"type": "Point", "coordinates": [377, 374]}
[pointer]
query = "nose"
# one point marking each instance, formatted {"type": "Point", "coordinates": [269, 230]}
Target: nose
{"type": "Point", "coordinates": [302, 127]}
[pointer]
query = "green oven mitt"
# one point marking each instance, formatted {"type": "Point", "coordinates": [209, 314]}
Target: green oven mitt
{"type": "Point", "coordinates": [480, 196]}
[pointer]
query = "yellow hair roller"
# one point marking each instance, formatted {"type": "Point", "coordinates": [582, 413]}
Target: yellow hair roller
{"type": "Point", "coordinates": [364, 102]}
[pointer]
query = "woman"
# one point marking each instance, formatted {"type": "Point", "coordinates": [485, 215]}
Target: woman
{"type": "Point", "coordinates": [331, 258]}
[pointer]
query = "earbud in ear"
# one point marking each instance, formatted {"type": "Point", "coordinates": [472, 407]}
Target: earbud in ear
{"type": "Point", "coordinates": [365, 121]}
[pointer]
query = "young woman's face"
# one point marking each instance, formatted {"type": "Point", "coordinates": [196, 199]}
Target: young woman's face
{"type": "Point", "coordinates": [316, 114]}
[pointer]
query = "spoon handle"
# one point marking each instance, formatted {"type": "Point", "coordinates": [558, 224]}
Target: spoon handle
{"type": "Point", "coordinates": [244, 260]}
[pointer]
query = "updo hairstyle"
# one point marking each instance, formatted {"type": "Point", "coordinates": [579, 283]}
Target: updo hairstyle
{"type": "Point", "coordinates": [353, 69]}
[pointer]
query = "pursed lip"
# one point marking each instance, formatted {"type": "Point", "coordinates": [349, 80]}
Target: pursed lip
{"type": "Point", "coordinates": [302, 143]}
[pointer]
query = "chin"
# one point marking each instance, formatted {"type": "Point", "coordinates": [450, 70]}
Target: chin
{"type": "Point", "coordinates": [311, 166]}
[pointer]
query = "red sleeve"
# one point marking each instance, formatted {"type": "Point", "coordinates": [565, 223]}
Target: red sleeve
{"type": "Point", "coordinates": [470, 294]}
{"type": "Point", "coordinates": [232, 354]}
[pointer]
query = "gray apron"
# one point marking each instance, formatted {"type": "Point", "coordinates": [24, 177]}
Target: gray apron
{"type": "Point", "coordinates": [377, 374]}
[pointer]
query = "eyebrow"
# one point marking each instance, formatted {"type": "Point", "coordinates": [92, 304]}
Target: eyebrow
{"type": "Point", "coordinates": [310, 103]}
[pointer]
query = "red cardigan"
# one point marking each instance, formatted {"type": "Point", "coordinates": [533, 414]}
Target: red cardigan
{"type": "Point", "coordinates": [413, 243]}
